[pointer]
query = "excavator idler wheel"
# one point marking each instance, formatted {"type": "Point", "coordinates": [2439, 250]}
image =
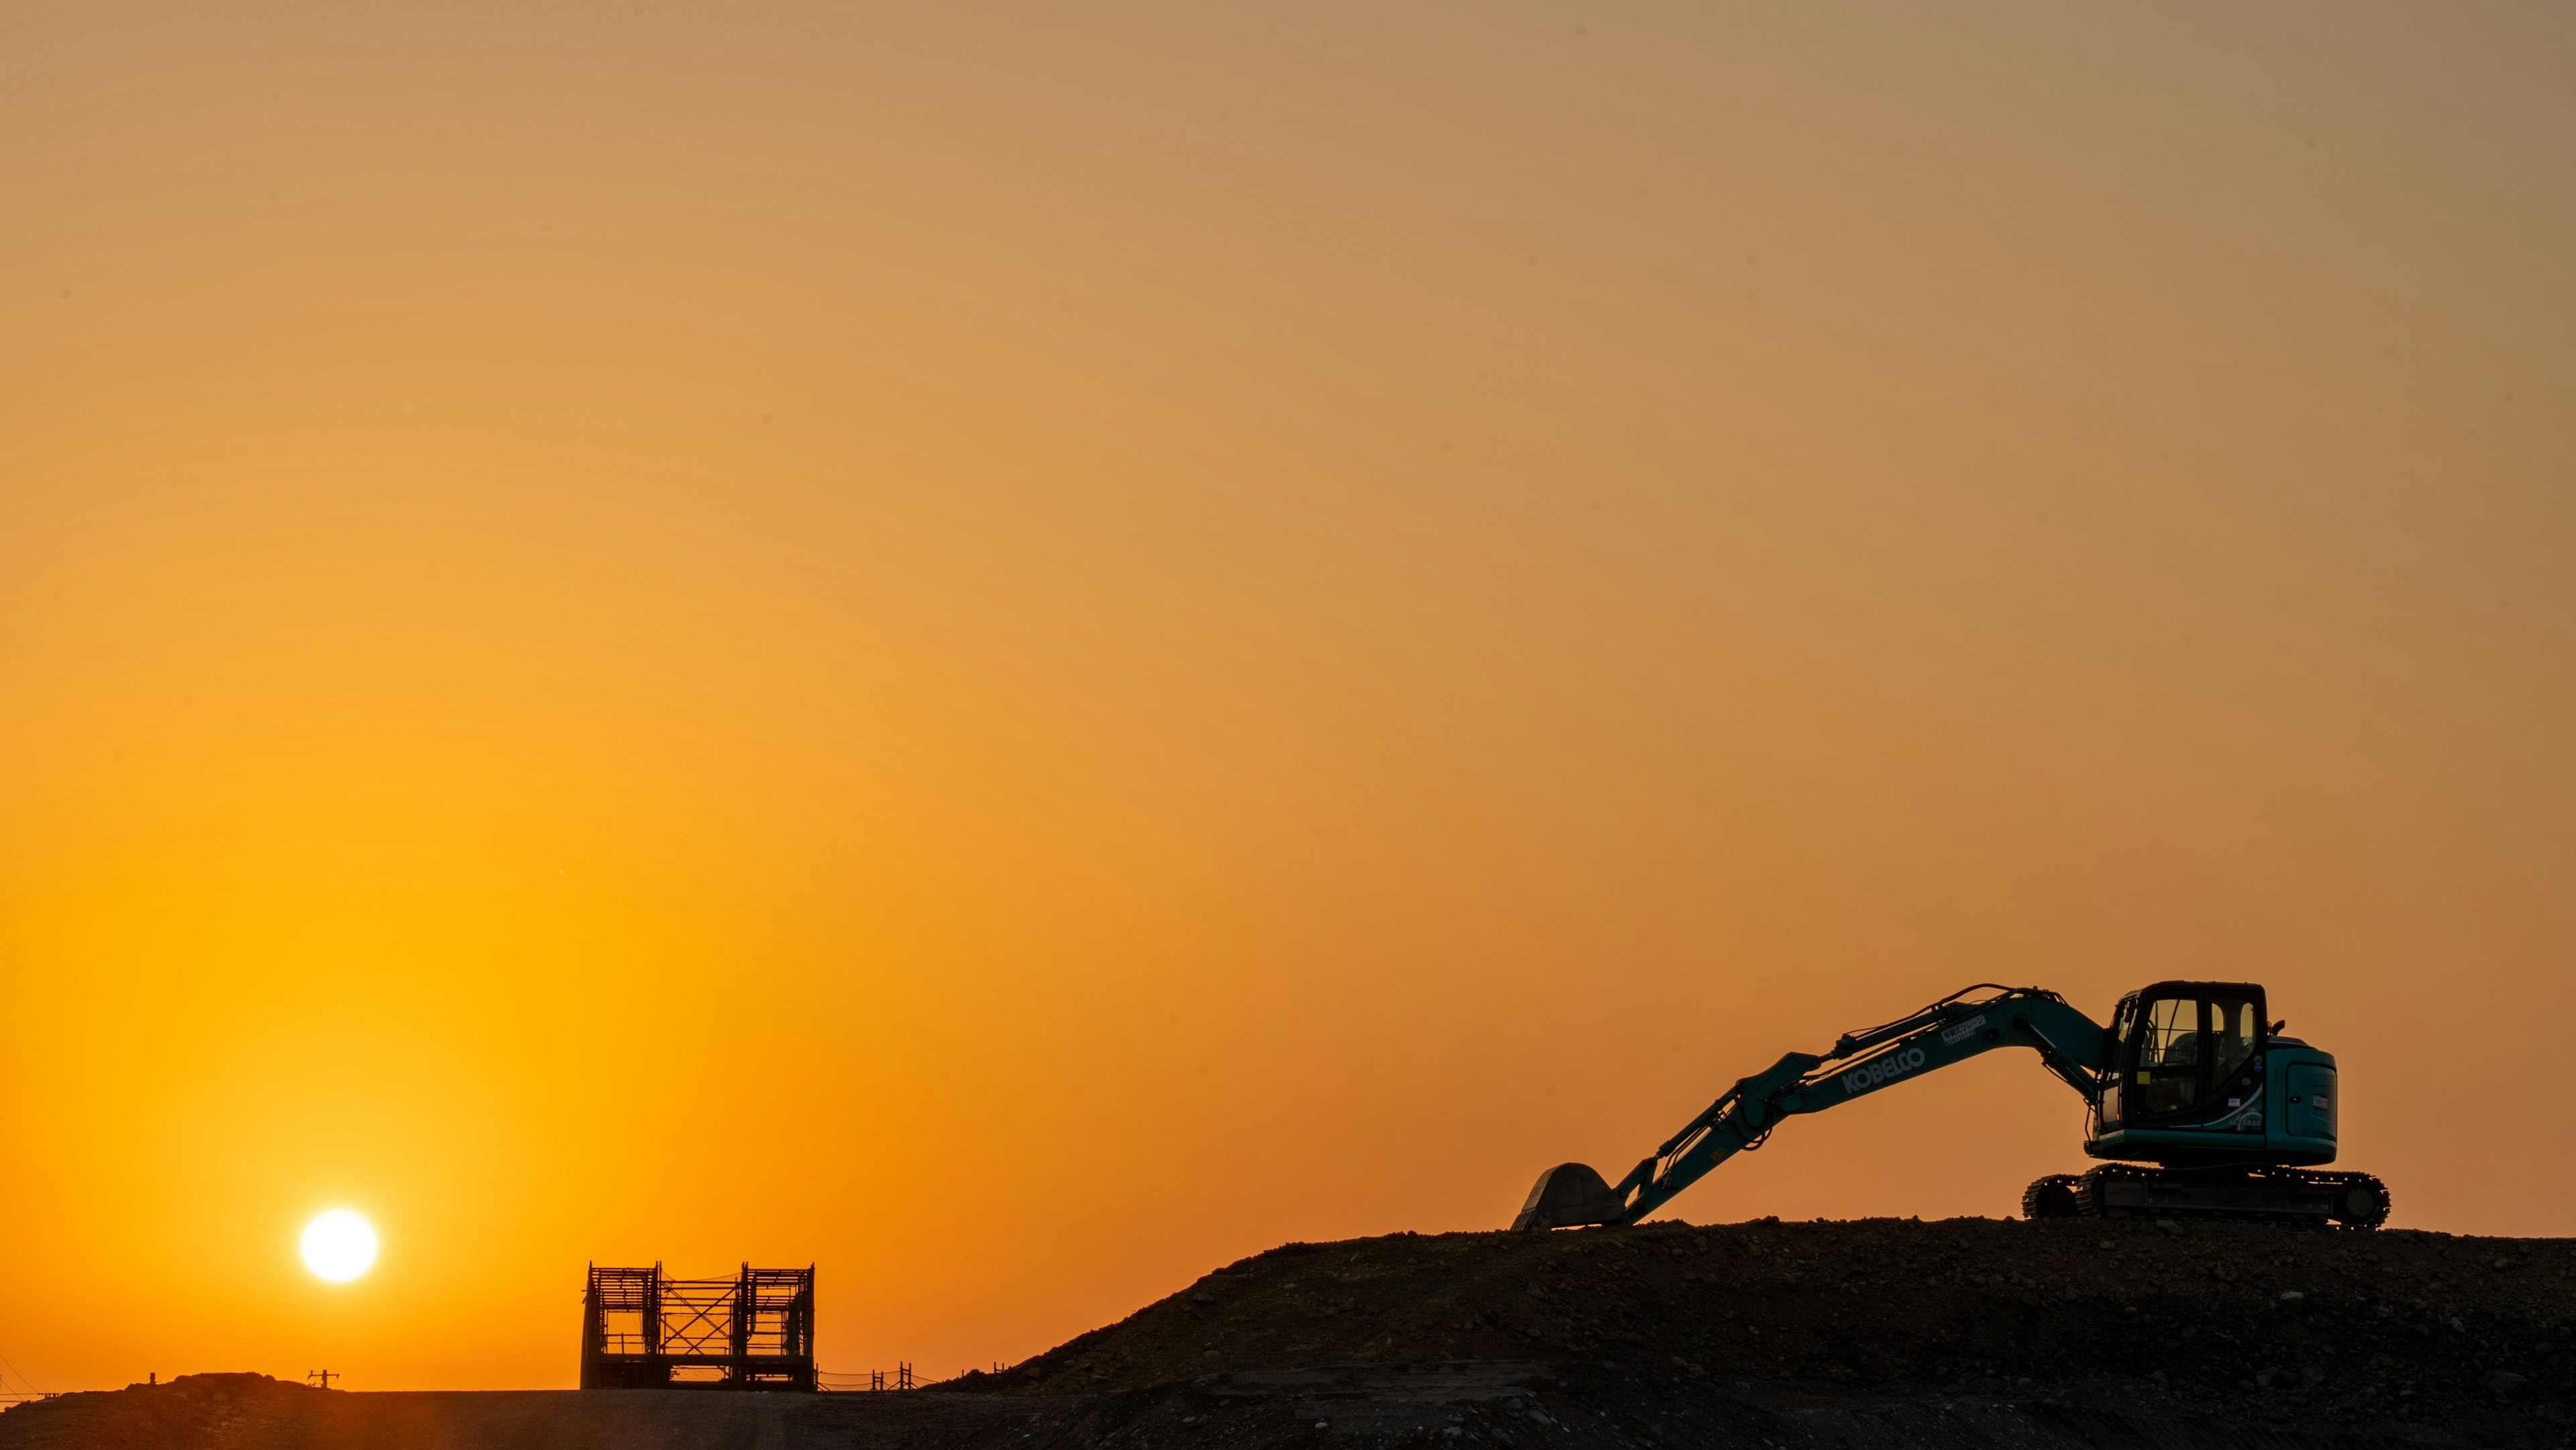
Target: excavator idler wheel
{"type": "Point", "coordinates": [1570, 1194]}
{"type": "Point", "coordinates": [2052, 1197]}
{"type": "Point", "coordinates": [2363, 1203]}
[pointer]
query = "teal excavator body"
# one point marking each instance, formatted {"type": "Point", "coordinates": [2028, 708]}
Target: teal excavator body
{"type": "Point", "coordinates": [2196, 1102]}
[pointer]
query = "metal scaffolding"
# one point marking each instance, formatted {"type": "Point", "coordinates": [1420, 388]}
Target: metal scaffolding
{"type": "Point", "coordinates": [642, 1330]}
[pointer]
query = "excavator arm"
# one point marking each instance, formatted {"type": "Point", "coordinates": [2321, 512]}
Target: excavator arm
{"type": "Point", "coordinates": [1954, 1029]}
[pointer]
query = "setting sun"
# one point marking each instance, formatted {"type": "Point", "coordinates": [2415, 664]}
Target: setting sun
{"type": "Point", "coordinates": [1011, 651]}
{"type": "Point", "coordinates": [339, 1245]}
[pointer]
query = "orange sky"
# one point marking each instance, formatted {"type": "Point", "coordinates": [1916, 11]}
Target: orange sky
{"type": "Point", "coordinates": [1020, 649]}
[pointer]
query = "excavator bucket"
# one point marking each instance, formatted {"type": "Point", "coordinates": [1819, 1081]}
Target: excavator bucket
{"type": "Point", "coordinates": [1570, 1194]}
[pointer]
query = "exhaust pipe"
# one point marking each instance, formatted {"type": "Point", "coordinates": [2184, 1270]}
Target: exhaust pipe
{"type": "Point", "coordinates": [1568, 1195]}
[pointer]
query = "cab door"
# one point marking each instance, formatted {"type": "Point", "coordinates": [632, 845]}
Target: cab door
{"type": "Point", "coordinates": [2113, 1105]}
{"type": "Point", "coordinates": [2165, 1083]}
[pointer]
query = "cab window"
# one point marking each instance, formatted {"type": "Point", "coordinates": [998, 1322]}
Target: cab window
{"type": "Point", "coordinates": [2235, 1031]}
{"type": "Point", "coordinates": [2168, 1079]}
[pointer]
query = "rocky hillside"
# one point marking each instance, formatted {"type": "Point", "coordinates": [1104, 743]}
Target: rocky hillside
{"type": "Point", "coordinates": [1821, 1336]}
{"type": "Point", "coordinates": [2390, 1325]}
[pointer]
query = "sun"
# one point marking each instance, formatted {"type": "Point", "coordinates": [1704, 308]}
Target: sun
{"type": "Point", "coordinates": [339, 1245]}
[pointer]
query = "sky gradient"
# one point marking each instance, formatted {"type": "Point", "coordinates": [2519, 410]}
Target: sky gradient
{"type": "Point", "coordinates": [1020, 649]}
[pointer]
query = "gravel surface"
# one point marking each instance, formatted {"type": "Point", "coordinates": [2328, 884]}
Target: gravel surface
{"type": "Point", "coordinates": [2244, 1318]}
{"type": "Point", "coordinates": [1873, 1335]}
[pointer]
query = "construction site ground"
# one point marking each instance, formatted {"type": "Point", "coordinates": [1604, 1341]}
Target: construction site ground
{"type": "Point", "coordinates": [1875, 1334]}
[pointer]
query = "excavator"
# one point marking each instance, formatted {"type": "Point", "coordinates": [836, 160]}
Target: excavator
{"type": "Point", "coordinates": [2196, 1102]}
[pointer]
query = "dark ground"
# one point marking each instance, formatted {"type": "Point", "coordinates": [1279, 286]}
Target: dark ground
{"type": "Point", "coordinates": [1878, 1334]}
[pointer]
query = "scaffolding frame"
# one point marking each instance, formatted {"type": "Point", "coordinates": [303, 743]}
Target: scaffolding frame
{"type": "Point", "coordinates": [642, 1329]}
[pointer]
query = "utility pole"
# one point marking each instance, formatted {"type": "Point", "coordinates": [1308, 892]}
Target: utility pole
{"type": "Point", "coordinates": [324, 1375]}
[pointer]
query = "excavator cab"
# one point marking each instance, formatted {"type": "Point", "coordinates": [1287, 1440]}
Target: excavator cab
{"type": "Point", "coordinates": [2196, 1077]}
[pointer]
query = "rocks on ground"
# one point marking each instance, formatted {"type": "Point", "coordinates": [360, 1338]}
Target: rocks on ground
{"type": "Point", "coordinates": [2256, 1320]}
{"type": "Point", "coordinates": [1878, 1334]}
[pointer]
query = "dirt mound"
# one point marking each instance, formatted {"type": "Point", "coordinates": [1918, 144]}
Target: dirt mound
{"type": "Point", "coordinates": [1854, 1336]}
{"type": "Point", "coordinates": [192, 1410]}
{"type": "Point", "coordinates": [1475, 1405]}
{"type": "Point", "coordinates": [2240, 1317]}
{"type": "Point", "coordinates": [253, 1412]}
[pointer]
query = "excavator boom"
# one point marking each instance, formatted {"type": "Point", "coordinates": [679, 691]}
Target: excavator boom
{"type": "Point", "coordinates": [1962, 1025]}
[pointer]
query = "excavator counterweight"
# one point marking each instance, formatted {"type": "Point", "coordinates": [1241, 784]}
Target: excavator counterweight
{"type": "Point", "coordinates": [2190, 1078]}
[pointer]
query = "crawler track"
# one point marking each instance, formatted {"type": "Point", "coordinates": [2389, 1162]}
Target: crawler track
{"type": "Point", "coordinates": [2260, 1195]}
